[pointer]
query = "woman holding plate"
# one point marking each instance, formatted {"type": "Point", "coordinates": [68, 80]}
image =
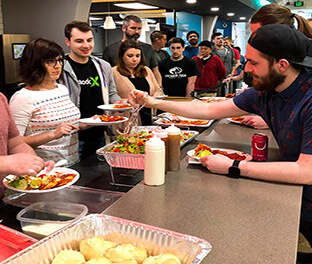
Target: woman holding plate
{"type": "Point", "coordinates": [43, 112]}
{"type": "Point", "coordinates": [130, 73]}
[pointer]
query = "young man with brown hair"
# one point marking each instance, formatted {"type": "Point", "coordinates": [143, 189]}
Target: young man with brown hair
{"type": "Point", "coordinates": [90, 82]}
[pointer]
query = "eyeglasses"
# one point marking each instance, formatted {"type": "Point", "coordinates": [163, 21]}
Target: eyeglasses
{"type": "Point", "coordinates": [53, 62]}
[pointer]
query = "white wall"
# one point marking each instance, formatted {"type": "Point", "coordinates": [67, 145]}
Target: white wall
{"type": "Point", "coordinates": [239, 35]}
{"type": "Point", "coordinates": [45, 19]}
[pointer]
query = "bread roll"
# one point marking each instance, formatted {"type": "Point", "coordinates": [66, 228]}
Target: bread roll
{"type": "Point", "coordinates": [119, 254]}
{"type": "Point", "coordinates": [99, 260]}
{"type": "Point", "coordinates": [95, 247]}
{"type": "Point", "coordinates": [139, 254]}
{"type": "Point", "coordinates": [165, 258]}
{"type": "Point", "coordinates": [69, 256]}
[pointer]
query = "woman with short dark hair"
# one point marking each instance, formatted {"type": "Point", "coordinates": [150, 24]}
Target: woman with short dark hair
{"type": "Point", "coordinates": [131, 73]}
{"type": "Point", "coordinates": [43, 112]}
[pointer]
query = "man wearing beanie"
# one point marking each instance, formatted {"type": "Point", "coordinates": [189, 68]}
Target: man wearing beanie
{"type": "Point", "coordinates": [282, 95]}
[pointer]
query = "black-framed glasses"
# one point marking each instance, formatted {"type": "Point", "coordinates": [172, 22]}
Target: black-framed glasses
{"type": "Point", "coordinates": [53, 62]}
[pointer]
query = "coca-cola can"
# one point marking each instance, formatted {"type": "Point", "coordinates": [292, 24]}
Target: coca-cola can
{"type": "Point", "coordinates": [259, 147]}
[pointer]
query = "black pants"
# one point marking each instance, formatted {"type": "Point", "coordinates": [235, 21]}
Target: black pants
{"type": "Point", "coordinates": [306, 230]}
{"type": "Point", "coordinates": [88, 147]}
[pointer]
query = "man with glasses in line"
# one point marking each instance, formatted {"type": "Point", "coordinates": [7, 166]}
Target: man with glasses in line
{"type": "Point", "coordinates": [90, 82]}
{"type": "Point", "coordinates": [132, 27]}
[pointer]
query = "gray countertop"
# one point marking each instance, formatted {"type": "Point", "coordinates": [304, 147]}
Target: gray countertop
{"type": "Point", "coordinates": [246, 221]}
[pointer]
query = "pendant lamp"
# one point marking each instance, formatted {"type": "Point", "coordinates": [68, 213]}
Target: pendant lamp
{"type": "Point", "coordinates": [109, 22]}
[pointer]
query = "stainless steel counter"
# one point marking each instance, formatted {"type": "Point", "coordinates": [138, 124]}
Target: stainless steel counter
{"type": "Point", "coordinates": [246, 221]}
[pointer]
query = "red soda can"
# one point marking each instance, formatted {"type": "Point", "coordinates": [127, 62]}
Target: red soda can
{"type": "Point", "coordinates": [259, 147]}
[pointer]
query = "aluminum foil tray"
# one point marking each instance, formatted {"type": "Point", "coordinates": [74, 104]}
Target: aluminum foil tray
{"type": "Point", "coordinates": [132, 161]}
{"type": "Point", "coordinates": [124, 160]}
{"type": "Point", "coordinates": [155, 240]}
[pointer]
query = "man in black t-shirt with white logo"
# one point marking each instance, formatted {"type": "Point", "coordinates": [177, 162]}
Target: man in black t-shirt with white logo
{"type": "Point", "coordinates": [90, 82]}
{"type": "Point", "coordinates": [178, 73]}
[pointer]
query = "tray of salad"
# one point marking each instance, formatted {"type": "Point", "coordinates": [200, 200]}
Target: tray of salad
{"type": "Point", "coordinates": [128, 150]}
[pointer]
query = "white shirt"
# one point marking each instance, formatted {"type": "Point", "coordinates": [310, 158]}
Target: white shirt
{"type": "Point", "coordinates": [38, 112]}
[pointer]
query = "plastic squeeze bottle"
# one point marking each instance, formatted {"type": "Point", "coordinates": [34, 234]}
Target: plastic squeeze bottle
{"type": "Point", "coordinates": [173, 148]}
{"type": "Point", "coordinates": [154, 171]}
{"type": "Point", "coordinates": [163, 135]}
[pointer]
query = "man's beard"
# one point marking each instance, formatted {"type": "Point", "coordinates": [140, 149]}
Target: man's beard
{"type": "Point", "coordinates": [193, 41]}
{"type": "Point", "coordinates": [269, 82]}
{"type": "Point", "coordinates": [133, 37]}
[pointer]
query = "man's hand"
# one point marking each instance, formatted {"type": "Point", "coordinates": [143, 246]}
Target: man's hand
{"type": "Point", "coordinates": [254, 121]}
{"type": "Point", "coordinates": [22, 164]}
{"type": "Point", "coordinates": [218, 163]}
{"type": "Point", "coordinates": [139, 97]}
{"type": "Point", "coordinates": [227, 80]}
{"type": "Point", "coordinates": [64, 129]}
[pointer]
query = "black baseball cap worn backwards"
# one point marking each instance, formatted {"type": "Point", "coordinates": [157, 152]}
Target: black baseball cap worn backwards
{"type": "Point", "coordinates": [282, 42]}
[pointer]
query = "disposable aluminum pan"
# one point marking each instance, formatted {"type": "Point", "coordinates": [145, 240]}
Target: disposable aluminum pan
{"type": "Point", "coordinates": [129, 160]}
{"type": "Point", "coordinates": [188, 249]}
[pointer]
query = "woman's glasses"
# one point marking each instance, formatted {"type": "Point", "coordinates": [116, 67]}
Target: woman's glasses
{"type": "Point", "coordinates": [53, 62]}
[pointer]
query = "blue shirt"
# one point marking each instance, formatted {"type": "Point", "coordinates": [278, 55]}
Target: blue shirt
{"type": "Point", "coordinates": [190, 52]}
{"type": "Point", "coordinates": [289, 115]}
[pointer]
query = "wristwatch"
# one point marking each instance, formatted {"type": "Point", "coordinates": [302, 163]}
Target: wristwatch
{"type": "Point", "coordinates": [234, 171]}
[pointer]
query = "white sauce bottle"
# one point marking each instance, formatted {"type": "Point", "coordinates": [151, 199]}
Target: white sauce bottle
{"type": "Point", "coordinates": [154, 171]}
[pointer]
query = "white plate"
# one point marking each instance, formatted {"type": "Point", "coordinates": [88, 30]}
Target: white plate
{"type": "Point", "coordinates": [110, 107]}
{"type": "Point", "coordinates": [213, 99]}
{"type": "Point", "coordinates": [170, 116]}
{"type": "Point", "coordinates": [97, 121]}
{"type": "Point", "coordinates": [10, 177]}
{"type": "Point", "coordinates": [234, 121]}
{"type": "Point", "coordinates": [161, 96]}
{"type": "Point", "coordinates": [191, 153]}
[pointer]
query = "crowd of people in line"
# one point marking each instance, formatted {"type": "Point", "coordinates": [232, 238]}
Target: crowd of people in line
{"type": "Point", "coordinates": [40, 124]}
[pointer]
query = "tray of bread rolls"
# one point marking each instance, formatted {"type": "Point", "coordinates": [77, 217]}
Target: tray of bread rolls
{"type": "Point", "coordinates": [99, 238]}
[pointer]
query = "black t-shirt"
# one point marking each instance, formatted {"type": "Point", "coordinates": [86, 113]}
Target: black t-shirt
{"type": "Point", "coordinates": [145, 113]}
{"type": "Point", "coordinates": [175, 75]}
{"type": "Point", "coordinates": [90, 95]}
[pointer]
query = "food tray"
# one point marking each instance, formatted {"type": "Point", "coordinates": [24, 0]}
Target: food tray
{"type": "Point", "coordinates": [123, 160]}
{"type": "Point", "coordinates": [132, 161]}
{"type": "Point", "coordinates": [168, 116]}
{"type": "Point", "coordinates": [155, 240]}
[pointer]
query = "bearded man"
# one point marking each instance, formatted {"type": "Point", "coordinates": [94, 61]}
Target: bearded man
{"type": "Point", "coordinates": [132, 28]}
{"type": "Point", "coordinates": [282, 96]}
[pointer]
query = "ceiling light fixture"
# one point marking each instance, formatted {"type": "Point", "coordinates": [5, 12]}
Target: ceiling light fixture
{"type": "Point", "coordinates": [136, 6]}
{"type": "Point", "coordinates": [230, 14]}
{"type": "Point", "coordinates": [191, 1]}
{"type": "Point", "coordinates": [264, 2]}
{"type": "Point", "coordinates": [242, 18]}
{"type": "Point", "coordinates": [109, 22]}
{"type": "Point", "coordinates": [215, 9]}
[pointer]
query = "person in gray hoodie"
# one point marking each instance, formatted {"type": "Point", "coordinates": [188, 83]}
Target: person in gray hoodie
{"type": "Point", "coordinates": [90, 83]}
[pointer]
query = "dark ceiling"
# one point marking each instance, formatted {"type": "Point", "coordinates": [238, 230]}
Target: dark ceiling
{"type": "Point", "coordinates": [202, 7]}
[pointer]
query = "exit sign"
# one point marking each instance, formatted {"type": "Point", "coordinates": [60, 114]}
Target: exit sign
{"type": "Point", "coordinates": [298, 3]}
